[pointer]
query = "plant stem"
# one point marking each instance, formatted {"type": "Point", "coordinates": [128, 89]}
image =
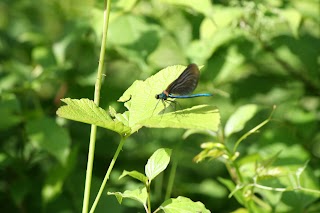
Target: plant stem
{"type": "Point", "coordinates": [171, 179]}
{"type": "Point", "coordinates": [106, 177]}
{"type": "Point", "coordinates": [253, 130]}
{"type": "Point", "coordinates": [149, 194]}
{"type": "Point", "coordinates": [86, 196]}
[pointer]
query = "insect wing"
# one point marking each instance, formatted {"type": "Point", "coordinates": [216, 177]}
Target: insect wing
{"type": "Point", "coordinates": [186, 82]}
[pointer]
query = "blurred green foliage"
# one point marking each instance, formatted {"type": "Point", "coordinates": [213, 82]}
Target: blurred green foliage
{"type": "Point", "coordinates": [262, 52]}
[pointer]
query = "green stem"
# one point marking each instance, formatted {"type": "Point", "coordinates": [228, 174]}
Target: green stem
{"type": "Point", "coordinates": [93, 133]}
{"type": "Point", "coordinates": [253, 130]}
{"type": "Point", "coordinates": [171, 179]}
{"type": "Point", "coordinates": [106, 177]}
{"type": "Point", "coordinates": [149, 196]}
{"type": "Point", "coordinates": [86, 197]}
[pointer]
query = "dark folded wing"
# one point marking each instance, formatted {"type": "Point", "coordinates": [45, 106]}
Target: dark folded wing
{"type": "Point", "coordinates": [186, 82]}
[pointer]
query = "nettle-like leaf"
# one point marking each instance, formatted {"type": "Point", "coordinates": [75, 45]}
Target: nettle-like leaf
{"type": "Point", "coordinates": [86, 111]}
{"type": "Point", "coordinates": [182, 204]}
{"type": "Point", "coordinates": [144, 108]}
{"type": "Point", "coordinates": [157, 163]}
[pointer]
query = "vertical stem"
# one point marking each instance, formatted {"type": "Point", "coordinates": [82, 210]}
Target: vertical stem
{"type": "Point", "coordinates": [171, 179]}
{"type": "Point", "coordinates": [149, 196]}
{"type": "Point", "coordinates": [86, 196]}
{"type": "Point", "coordinates": [106, 177]}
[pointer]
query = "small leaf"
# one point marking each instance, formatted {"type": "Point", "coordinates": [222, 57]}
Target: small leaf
{"type": "Point", "coordinates": [86, 111]}
{"type": "Point", "coordinates": [135, 174]}
{"type": "Point", "coordinates": [211, 150]}
{"type": "Point", "coordinates": [234, 190]}
{"type": "Point", "coordinates": [182, 204]}
{"type": "Point", "coordinates": [139, 195]}
{"type": "Point", "coordinates": [157, 163]}
{"type": "Point", "coordinates": [238, 120]}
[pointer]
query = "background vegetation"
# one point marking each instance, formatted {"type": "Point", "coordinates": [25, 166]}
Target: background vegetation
{"type": "Point", "coordinates": [262, 53]}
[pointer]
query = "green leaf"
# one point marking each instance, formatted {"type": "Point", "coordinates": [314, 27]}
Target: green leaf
{"type": "Point", "coordinates": [234, 190]}
{"type": "Point", "coordinates": [211, 150]}
{"type": "Point", "coordinates": [203, 6]}
{"type": "Point", "coordinates": [235, 63]}
{"type": "Point", "coordinates": [133, 37]}
{"type": "Point", "coordinates": [139, 195]}
{"type": "Point", "coordinates": [182, 205]}
{"type": "Point", "coordinates": [168, 52]}
{"type": "Point", "coordinates": [143, 104]}
{"type": "Point", "coordinates": [119, 117]}
{"type": "Point", "coordinates": [56, 177]}
{"type": "Point", "coordinates": [157, 163]}
{"type": "Point", "coordinates": [125, 5]}
{"type": "Point", "coordinates": [135, 174]}
{"type": "Point", "coordinates": [144, 107]}
{"type": "Point", "coordinates": [46, 135]}
{"type": "Point", "coordinates": [127, 29]}
{"type": "Point", "coordinates": [86, 111]}
{"type": "Point", "coordinates": [201, 50]}
{"type": "Point", "coordinates": [293, 18]}
{"type": "Point", "coordinates": [10, 110]}
{"type": "Point", "coordinates": [238, 120]}
{"type": "Point", "coordinates": [201, 117]}
{"type": "Point", "coordinates": [221, 19]}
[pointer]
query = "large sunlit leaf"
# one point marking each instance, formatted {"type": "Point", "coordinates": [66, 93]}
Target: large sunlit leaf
{"type": "Point", "coordinates": [157, 163]}
{"type": "Point", "coordinates": [144, 108]}
{"type": "Point", "coordinates": [201, 117]}
{"type": "Point", "coordinates": [86, 111]}
{"type": "Point", "coordinates": [143, 103]}
{"type": "Point", "coordinates": [183, 205]}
